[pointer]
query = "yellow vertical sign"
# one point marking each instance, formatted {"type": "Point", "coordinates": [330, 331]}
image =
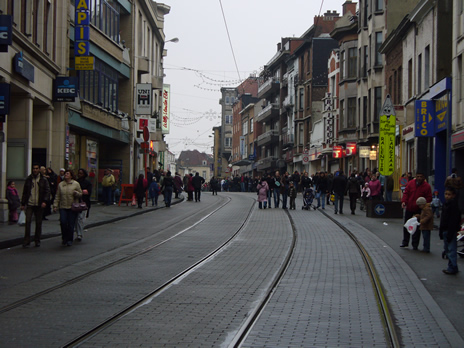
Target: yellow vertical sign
{"type": "Point", "coordinates": [387, 129]}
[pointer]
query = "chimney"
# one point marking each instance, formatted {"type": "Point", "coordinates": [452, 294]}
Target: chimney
{"type": "Point", "coordinates": [349, 6]}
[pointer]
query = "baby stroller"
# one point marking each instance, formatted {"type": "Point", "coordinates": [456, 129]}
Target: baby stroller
{"type": "Point", "coordinates": [308, 197]}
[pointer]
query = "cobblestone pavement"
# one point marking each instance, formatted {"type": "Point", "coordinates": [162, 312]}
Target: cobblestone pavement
{"type": "Point", "coordinates": [325, 298]}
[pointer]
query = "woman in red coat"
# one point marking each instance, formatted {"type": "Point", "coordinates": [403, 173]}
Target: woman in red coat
{"type": "Point", "coordinates": [140, 187]}
{"type": "Point", "coordinates": [416, 188]}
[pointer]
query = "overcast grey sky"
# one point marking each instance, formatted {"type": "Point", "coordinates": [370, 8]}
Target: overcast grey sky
{"type": "Point", "coordinates": [202, 61]}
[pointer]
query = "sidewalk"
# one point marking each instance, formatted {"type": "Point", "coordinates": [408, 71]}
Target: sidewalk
{"type": "Point", "coordinates": [12, 235]}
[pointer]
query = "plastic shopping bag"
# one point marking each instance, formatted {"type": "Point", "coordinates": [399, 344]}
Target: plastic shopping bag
{"type": "Point", "coordinates": [411, 225]}
{"type": "Point", "coordinates": [22, 218]}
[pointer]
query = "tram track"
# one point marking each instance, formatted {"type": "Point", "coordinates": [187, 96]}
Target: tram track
{"type": "Point", "coordinates": [389, 326]}
{"type": "Point", "coordinates": [116, 262]}
{"type": "Point", "coordinates": [84, 337]}
{"type": "Point", "coordinates": [240, 337]}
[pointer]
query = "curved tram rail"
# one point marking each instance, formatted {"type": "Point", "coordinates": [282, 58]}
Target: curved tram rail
{"type": "Point", "coordinates": [389, 327]}
{"type": "Point", "coordinates": [113, 263]}
{"type": "Point", "coordinates": [156, 292]}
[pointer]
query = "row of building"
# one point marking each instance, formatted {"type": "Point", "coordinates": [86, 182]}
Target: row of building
{"type": "Point", "coordinates": [80, 81]}
{"type": "Point", "coordinates": [320, 103]}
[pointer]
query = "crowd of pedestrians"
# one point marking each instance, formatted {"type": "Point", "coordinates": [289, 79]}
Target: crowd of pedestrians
{"type": "Point", "coordinates": [417, 200]}
{"type": "Point", "coordinates": [45, 191]}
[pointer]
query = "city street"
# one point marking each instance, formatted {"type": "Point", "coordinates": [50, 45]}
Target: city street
{"type": "Point", "coordinates": [223, 273]}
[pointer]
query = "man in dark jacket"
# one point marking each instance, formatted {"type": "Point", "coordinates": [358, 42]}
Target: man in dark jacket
{"type": "Point", "coordinates": [339, 188]}
{"type": "Point", "coordinates": [36, 193]}
{"type": "Point", "coordinates": [305, 181]}
{"type": "Point", "coordinates": [197, 182]}
{"type": "Point", "coordinates": [321, 190]}
{"type": "Point", "coordinates": [416, 188]}
{"type": "Point", "coordinates": [450, 224]}
{"type": "Point", "coordinates": [354, 191]}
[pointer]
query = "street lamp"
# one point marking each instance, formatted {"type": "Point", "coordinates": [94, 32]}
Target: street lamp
{"type": "Point", "coordinates": [175, 40]}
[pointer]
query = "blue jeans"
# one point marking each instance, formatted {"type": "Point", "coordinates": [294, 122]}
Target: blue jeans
{"type": "Point", "coordinates": [426, 238]}
{"type": "Point", "coordinates": [107, 195]}
{"type": "Point", "coordinates": [276, 198]}
{"type": "Point", "coordinates": [318, 197]}
{"type": "Point", "coordinates": [168, 195]}
{"type": "Point", "coordinates": [242, 186]}
{"type": "Point", "coordinates": [388, 196]}
{"type": "Point", "coordinates": [451, 249]}
{"type": "Point", "coordinates": [67, 222]}
{"type": "Point", "coordinates": [269, 197]}
{"type": "Point", "coordinates": [284, 200]}
{"type": "Point", "coordinates": [338, 198]}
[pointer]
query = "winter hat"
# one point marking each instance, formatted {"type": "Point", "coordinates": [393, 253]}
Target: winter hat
{"type": "Point", "coordinates": [421, 200]}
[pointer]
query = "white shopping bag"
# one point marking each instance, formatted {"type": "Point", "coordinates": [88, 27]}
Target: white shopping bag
{"type": "Point", "coordinates": [22, 218]}
{"type": "Point", "coordinates": [411, 225]}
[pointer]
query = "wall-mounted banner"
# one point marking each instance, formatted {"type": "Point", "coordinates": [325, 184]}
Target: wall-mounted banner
{"type": "Point", "coordinates": [350, 149]}
{"type": "Point", "coordinates": [387, 132]}
{"type": "Point", "coordinates": [65, 89]}
{"type": "Point", "coordinates": [425, 118]}
{"type": "Point", "coordinates": [338, 152]}
{"type": "Point", "coordinates": [23, 67]}
{"type": "Point", "coordinates": [143, 102]}
{"type": "Point", "coordinates": [6, 35]}
{"type": "Point", "coordinates": [143, 122]}
{"type": "Point", "coordinates": [441, 113]}
{"type": "Point", "coordinates": [4, 99]}
{"type": "Point", "coordinates": [166, 116]}
{"type": "Point", "coordinates": [81, 30]}
{"type": "Point", "coordinates": [364, 151]}
{"type": "Point", "coordinates": [84, 62]}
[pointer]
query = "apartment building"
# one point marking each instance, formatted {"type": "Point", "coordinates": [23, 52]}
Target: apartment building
{"type": "Point", "coordinates": [97, 51]}
{"type": "Point", "coordinates": [33, 124]}
{"type": "Point", "coordinates": [341, 103]}
{"type": "Point", "coordinates": [311, 88]}
{"type": "Point", "coordinates": [228, 97]}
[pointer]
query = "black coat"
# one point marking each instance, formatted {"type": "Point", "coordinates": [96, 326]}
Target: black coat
{"type": "Point", "coordinates": [339, 184]}
{"type": "Point", "coordinates": [322, 185]}
{"type": "Point", "coordinates": [353, 185]}
{"type": "Point", "coordinates": [450, 219]}
{"type": "Point", "coordinates": [197, 182]}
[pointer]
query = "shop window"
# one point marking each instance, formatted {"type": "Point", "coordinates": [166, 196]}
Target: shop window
{"type": "Point", "coordinates": [100, 86]}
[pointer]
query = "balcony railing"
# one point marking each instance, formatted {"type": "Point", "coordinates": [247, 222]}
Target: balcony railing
{"type": "Point", "coordinates": [288, 102]}
{"type": "Point", "coordinates": [268, 137]}
{"type": "Point", "coordinates": [268, 87]}
{"type": "Point", "coordinates": [288, 139]}
{"type": "Point", "coordinates": [270, 111]}
{"type": "Point", "coordinates": [267, 162]}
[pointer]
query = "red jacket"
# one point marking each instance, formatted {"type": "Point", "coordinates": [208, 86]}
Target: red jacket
{"type": "Point", "coordinates": [413, 192]}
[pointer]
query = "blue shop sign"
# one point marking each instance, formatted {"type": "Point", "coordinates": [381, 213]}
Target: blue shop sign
{"type": "Point", "coordinates": [441, 113]}
{"type": "Point", "coordinates": [23, 67]}
{"type": "Point", "coordinates": [425, 118]}
{"type": "Point", "coordinates": [5, 32]}
{"type": "Point", "coordinates": [65, 89]}
{"type": "Point", "coordinates": [4, 99]}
